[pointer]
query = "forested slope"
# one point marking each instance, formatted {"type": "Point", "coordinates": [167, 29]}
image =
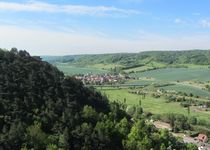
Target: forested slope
{"type": "Point", "coordinates": [198, 57]}
{"type": "Point", "coordinates": [42, 109]}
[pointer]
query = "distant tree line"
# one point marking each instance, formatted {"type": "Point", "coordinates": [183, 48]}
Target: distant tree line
{"type": "Point", "coordinates": [132, 60]}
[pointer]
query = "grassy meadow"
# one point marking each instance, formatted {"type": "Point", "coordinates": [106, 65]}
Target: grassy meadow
{"type": "Point", "coordinates": [150, 104]}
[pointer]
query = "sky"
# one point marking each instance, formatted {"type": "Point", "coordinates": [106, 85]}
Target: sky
{"type": "Point", "coordinates": [65, 27]}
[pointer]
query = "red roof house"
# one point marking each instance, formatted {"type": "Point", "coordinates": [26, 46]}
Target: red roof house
{"type": "Point", "coordinates": [203, 138]}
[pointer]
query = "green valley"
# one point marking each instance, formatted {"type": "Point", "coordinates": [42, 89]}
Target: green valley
{"type": "Point", "coordinates": [173, 82]}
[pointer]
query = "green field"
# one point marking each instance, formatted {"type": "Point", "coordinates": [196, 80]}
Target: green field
{"type": "Point", "coordinates": [170, 75]}
{"type": "Point", "coordinates": [175, 74]}
{"type": "Point", "coordinates": [138, 69]}
{"type": "Point", "coordinates": [104, 66]}
{"type": "Point", "coordinates": [154, 105]}
{"type": "Point", "coordinates": [178, 87]}
{"type": "Point", "coordinates": [73, 70]}
{"type": "Point", "coordinates": [188, 90]}
{"type": "Point", "coordinates": [139, 82]}
{"type": "Point", "coordinates": [151, 65]}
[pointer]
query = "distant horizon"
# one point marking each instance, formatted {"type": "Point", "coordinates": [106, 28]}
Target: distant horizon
{"type": "Point", "coordinates": [123, 52]}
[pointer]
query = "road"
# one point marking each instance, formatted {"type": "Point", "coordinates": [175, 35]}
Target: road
{"type": "Point", "coordinates": [196, 142]}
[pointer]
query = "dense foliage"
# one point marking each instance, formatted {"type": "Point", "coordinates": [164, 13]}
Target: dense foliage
{"type": "Point", "coordinates": [41, 109]}
{"type": "Point", "coordinates": [199, 57]}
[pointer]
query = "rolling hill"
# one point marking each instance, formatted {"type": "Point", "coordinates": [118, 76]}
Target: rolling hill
{"type": "Point", "coordinates": [198, 57]}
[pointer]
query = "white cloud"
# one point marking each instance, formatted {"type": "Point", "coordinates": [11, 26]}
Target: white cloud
{"type": "Point", "coordinates": [205, 23]}
{"type": "Point", "coordinates": [34, 6]}
{"type": "Point", "coordinates": [44, 42]}
{"type": "Point", "coordinates": [179, 21]}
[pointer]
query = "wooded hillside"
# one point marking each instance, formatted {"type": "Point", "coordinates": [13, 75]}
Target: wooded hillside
{"type": "Point", "coordinates": [198, 57]}
{"type": "Point", "coordinates": [41, 109]}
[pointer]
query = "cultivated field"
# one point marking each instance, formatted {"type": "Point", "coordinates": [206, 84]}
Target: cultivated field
{"type": "Point", "coordinates": [184, 76]}
{"type": "Point", "coordinates": [188, 89]}
{"type": "Point", "coordinates": [73, 70]}
{"type": "Point", "coordinates": [177, 74]}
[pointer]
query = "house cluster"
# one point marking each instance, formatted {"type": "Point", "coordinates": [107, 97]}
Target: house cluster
{"type": "Point", "coordinates": [100, 79]}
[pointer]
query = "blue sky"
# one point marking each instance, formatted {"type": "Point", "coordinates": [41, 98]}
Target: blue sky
{"type": "Point", "coordinates": [60, 27]}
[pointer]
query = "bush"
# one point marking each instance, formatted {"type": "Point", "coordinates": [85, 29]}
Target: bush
{"type": "Point", "coordinates": [193, 120]}
{"type": "Point", "coordinates": [184, 104]}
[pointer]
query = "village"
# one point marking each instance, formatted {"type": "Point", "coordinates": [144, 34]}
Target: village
{"type": "Point", "coordinates": [101, 79]}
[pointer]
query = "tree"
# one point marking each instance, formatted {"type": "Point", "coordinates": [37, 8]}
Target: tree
{"type": "Point", "coordinates": [193, 120]}
{"type": "Point", "coordinates": [123, 127]}
{"type": "Point", "coordinates": [188, 110]}
{"type": "Point", "coordinates": [16, 135]}
{"type": "Point", "coordinates": [52, 147]}
{"type": "Point", "coordinates": [89, 113]}
{"type": "Point", "coordinates": [191, 147]}
{"type": "Point", "coordinates": [66, 139]}
{"type": "Point", "coordinates": [163, 147]}
{"type": "Point", "coordinates": [207, 86]}
{"type": "Point", "coordinates": [36, 138]}
{"type": "Point", "coordinates": [137, 134]}
{"type": "Point", "coordinates": [140, 103]}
